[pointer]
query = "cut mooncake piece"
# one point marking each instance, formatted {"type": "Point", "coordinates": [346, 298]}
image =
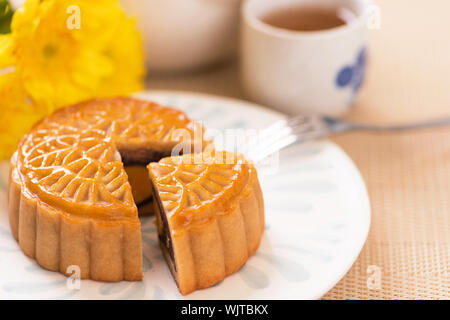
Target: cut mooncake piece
{"type": "Point", "coordinates": [210, 215]}
{"type": "Point", "coordinates": [70, 200]}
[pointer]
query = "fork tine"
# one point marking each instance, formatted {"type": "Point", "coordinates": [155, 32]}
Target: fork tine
{"type": "Point", "coordinates": [278, 124]}
{"type": "Point", "coordinates": [271, 133]}
{"type": "Point", "coordinates": [295, 125]}
{"type": "Point", "coordinates": [270, 137]}
{"type": "Point", "coordinates": [288, 122]}
{"type": "Point", "coordinates": [285, 133]}
{"type": "Point", "coordinates": [298, 120]}
{"type": "Point", "coordinates": [258, 155]}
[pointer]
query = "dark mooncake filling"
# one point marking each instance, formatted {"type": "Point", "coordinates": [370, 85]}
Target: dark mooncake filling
{"type": "Point", "coordinates": [141, 157]}
{"type": "Point", "coordinates": [144, 202]}
{"type": "Point", "coordinates": [164, 237]}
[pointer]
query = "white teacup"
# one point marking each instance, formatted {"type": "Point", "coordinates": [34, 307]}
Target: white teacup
{"type": "Point", "coordinates": [296, 72]}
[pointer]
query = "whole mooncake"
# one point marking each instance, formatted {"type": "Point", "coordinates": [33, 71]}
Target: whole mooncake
{"type": "Point", "coordinates": [70, 198]}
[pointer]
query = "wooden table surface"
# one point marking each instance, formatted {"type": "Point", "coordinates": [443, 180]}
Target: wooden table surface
{"type": "Point", "coordinates": [407, 174]}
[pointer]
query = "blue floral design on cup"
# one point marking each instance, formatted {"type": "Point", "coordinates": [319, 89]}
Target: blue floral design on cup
{"type": "Point", "coordinates": [353, 75]}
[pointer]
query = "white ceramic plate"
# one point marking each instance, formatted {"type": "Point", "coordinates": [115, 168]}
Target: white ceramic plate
{"type": "Point", "coordinates": [317, 216]}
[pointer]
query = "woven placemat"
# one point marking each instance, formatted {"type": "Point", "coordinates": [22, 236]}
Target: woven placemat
{"type": "Point", "coordinates": [408, 180]}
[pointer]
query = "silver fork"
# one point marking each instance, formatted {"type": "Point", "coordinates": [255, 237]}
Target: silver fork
{"type": "Point", "coordinates": [303, 128]}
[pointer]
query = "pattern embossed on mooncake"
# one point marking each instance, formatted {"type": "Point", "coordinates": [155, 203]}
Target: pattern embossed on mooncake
{"type": "Point", "coordinates": [79, 172]}
{"type": "Point", "coordinates": [191, 184]}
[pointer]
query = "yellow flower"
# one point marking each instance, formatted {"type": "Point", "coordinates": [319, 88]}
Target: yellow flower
{"type": "Point", "coordinates": [61, 64]}
{"type": "Point", "coordinates": [126, 46]}
{"type": "Point", "coordinates": [19, 113]}
{"type": "Point", "coordinates": [6, 56]}
{"type": "Point", "coordinates": [49, 61]}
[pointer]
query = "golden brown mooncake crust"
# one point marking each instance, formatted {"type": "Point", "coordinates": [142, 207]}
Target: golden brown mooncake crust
{"type": "Point", "coordinates": [70, 202]}
{"type": "Point", "coordinates": [214, 213]}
